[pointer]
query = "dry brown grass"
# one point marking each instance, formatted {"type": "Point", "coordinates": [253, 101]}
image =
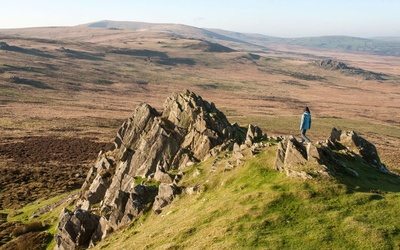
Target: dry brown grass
{"type": "Point", "coordinates": [86, 90]}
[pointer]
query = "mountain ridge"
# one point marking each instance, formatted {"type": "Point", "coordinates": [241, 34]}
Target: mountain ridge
{"type": "Point", "coordinates": [381, 46]}
{"type": "Point", "coordinates": [154, 151]}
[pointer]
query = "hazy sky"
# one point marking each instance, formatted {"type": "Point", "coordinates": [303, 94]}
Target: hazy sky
{"type": "Point", "coordinates": [284, 18]}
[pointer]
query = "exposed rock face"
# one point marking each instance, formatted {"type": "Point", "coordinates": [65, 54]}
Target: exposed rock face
{"type": "Point", "coordinates": [136, 176]}
{"type": "Point", "coordinates": [148, 145]}
{"type": "Point", "coordinates": [166, 194]}
{"type": "Point", "coordinates": [337, 65]}
{"type": "Point", "coordinates": [292, 156]}
{"type": "Point", "coordinates": [331, 64]}
{"type": "Point", "coordinates": [353, 142]}
{"type": "Point", "coordinates": [76, 229]}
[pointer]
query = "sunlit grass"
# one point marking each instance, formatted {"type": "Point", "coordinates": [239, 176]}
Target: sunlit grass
{"type": "Point", "coordinates": [49, 219]}
{"type": "Point", "coordinates": [255, 207]}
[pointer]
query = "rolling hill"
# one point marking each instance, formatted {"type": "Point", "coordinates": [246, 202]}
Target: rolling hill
{"type": "Point", "coordinates": [64, 91]}
{"type": "Point", "coordinates": [380, 46]}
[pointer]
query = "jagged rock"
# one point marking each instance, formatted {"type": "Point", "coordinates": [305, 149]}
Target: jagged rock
{"type": "Point", "coordinates": [331, 64]}
{"type": "Point", "coordinates": [163, 176]}
{"type": "Point", "coordinates": [280, 156]}
{"type": "Point", "coordinates": [166, 193]}
{"type": "Point", "coordinates": [149, 145]}
{"type": "Point", "coordinates": [341, 66]}
{"type": "Point", "coordinates": [352, 141]}
{"type": "Point", "coordinates": [97, 182]}
{"type": "Point", "coordinates": [292, 155]}
{"type": "Point", "coordinates": [75, 229]}
{"type": "Point", "coordinates": [128, 205]}
{"type": "Point", "coordinates": [254, 134]}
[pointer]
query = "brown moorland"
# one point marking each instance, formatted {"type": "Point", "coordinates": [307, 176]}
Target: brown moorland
{"type": "Point", "coordinates": [64, 92]}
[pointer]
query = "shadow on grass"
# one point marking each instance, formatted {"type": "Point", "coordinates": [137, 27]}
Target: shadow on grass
{"type": "Point", "coordinates": [207, 86]}
{"type": "Point", "coordinates": [140, 52]}
{"type": "Point", "coordinates": [46, 71]}
{"type": "Point", "coordinates": [359, 176]}
{"type": "Point", "coordinates": [83, 55]}
{"type": "Point", "coordinates": [155, 56]}
{"type": "Point", "coordinates": [104, 82]}
{"type": "Point", "coordinates": [33, 52]}
{"type": "Point", "coordinates": [176, 61]}
{"type": "Point", "coordinates": [28, 82]}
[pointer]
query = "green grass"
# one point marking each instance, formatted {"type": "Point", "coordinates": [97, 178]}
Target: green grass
{"type": "Point", "coordinates": [255, 207]}
{"type": "Point", "coordinates": [49, 219]}
{"type": "Point", "coordinates": [252, 206]}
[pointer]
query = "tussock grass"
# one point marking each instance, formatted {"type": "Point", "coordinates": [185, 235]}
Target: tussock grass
{"type": "Point", "coordinates": [252, 206]}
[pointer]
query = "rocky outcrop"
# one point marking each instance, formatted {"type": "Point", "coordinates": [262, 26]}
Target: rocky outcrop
{"type": "Point", "coordinates": [308, 160]}
{"type": "Point", "coordinates": [350, 140]}
{"type": "Point", "coordinates": [152, 150]}
{"type": "Point", "coordinates": [148, 146]}
{"type": "Point", "coordinates": [165, 196]}
{"type": "Point", "coordinates": [76, 229]}
{"type": "Point", "coordinates": [342, 67]}
{"type": "Point", "coordinates": [331, 64]}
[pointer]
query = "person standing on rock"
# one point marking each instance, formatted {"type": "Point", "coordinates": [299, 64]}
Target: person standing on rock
{"type": "Point", "coordinates": [305, 124]}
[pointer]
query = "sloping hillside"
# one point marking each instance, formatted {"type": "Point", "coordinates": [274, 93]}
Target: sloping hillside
{"type": "Point", "coordinates": [387, 47]}
{"type": "Point", "coordinates": [179, 30]}
{"type": "Point", "coordinates": [252, 206]}
{"type": "Point", "coordinates": [64, 91]}
{"type": "Point", "coordinates": [189, 161]}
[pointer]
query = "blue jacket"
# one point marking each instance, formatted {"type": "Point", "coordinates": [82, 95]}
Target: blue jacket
{"type": "Point", "coordinates": [305, 121]}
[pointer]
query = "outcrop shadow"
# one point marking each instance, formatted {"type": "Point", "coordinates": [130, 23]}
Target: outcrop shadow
{"type": "Point", "coordinates": [83, 55]}
{"type": "Point", "coordinates": [34, 52]}
{"type": "Point", "coordinates": [359, 176]}
{"type": "Point", "coordinates": [155, 57]}
{"type": "Point", "coordinates": [33, 83]}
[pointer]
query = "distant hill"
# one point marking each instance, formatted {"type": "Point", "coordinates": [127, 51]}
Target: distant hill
{"type": "Point", "coordinates": [387, 39]}
{"type": "Point", "coordinates": [348, 43]}
{"type": "Point", "coordinates": [381, 46]}
{"type": "Point", "coordinates": [177, 29]}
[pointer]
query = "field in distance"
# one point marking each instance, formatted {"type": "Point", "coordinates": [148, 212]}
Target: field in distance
{"type": "Point", "coordinates": [67, 83]}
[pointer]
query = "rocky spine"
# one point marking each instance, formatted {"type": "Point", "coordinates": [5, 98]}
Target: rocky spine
{"type": "Point", "coordinates": [136, 176]}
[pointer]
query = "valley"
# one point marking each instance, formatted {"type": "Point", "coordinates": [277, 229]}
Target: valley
{"type": "Point", "coordinates": [65, 91]}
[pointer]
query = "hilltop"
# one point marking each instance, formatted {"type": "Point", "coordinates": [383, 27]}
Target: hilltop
{"type": "Point", "coordinates": [65, 91]}
{"type": "Point", "coordinates": [236, 187]}
{"type": "Point", "coordinates": [380, 46]}
{"type": "Point", "coordinates": [154, 151]}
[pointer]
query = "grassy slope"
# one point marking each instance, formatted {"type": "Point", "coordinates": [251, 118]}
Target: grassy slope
{"type": "Point", "coordinates": [234, 206]}
{"type": "Point", "coordinates": [253, 206]}
{"type": "Point", "coordinates": [49, 219]}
